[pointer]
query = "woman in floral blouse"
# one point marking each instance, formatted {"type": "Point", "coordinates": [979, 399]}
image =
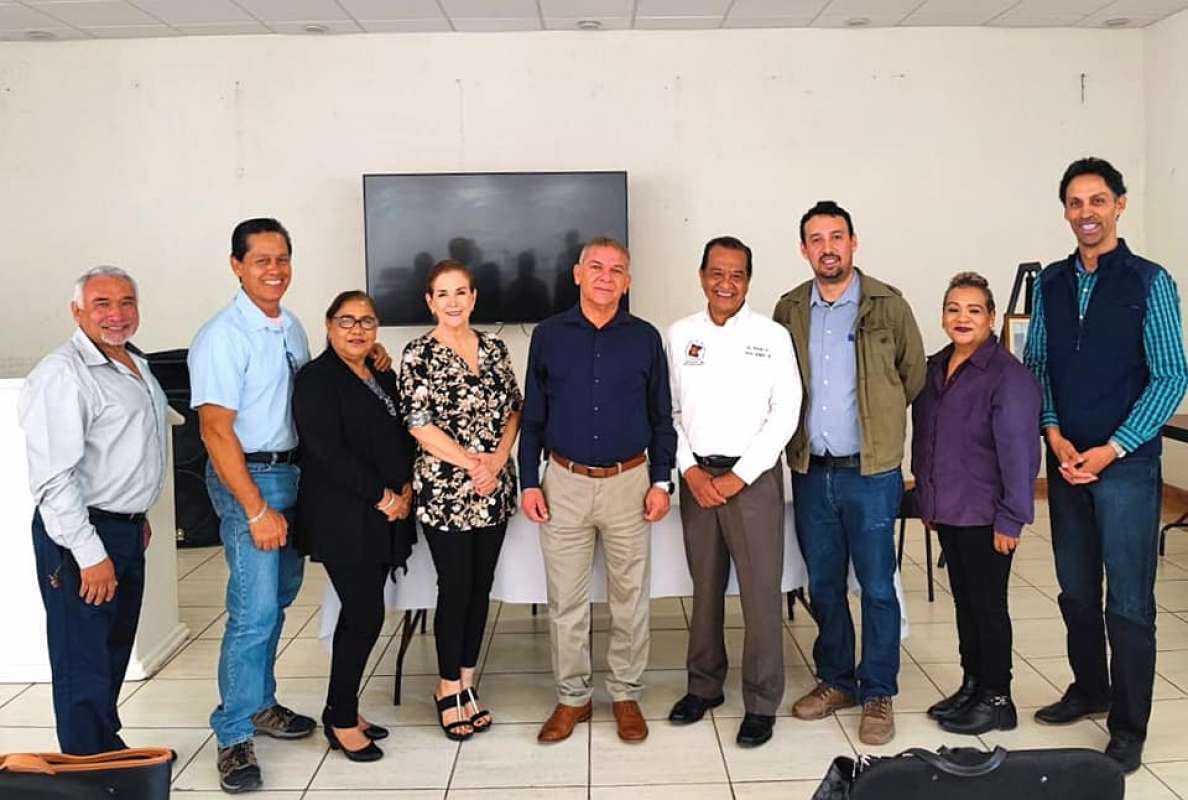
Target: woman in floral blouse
{"type": "Point", "coordinates": [461, 402]}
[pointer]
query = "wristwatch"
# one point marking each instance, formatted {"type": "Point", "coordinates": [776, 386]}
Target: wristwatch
{"type": "Point", "coordinates": [1119, 450]}
{"type": "Point", "coordinates": [667, 486]}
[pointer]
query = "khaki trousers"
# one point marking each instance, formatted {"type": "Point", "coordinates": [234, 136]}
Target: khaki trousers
{"type": "Point", "coordinates": [582, 509]}
{"type": "Point", "coordinates": [749, 529]}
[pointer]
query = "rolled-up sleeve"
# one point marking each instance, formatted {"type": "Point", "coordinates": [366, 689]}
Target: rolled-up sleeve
{"type": "Point", "coordinates": [1015, 419]}
{"type": "Point", "coordinates": [53, 414]}
{"type": "Point", "coordinates": [416, 396]}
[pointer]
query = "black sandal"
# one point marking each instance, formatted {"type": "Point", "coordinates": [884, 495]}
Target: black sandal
{"type": "Point", "coordinates": [480, 713]}
{"type": "Point", "coordinates": [445, 704]}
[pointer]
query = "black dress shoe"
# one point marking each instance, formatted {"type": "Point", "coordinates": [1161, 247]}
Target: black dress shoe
{"type": "Point", "coordinates": [1072, 707]}
{"type": "Point", "coordinates": [990, 712]}
{"type": "Point", "coordinates": [755, 730]}
{"type": "Point", "coordinates": [692, 708]}
{"type": "Point", "coordinates": [368, 753]}
{"type": "Point", "coordinates": [1127, 752]}
{"type": "Point", "coordinates": [955, 703]}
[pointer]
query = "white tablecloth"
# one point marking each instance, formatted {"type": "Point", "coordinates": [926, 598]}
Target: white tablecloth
{"type": "Point", "coordinates": [520, 575]}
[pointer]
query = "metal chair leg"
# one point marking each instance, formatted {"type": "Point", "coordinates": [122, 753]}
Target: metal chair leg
{"type": "Point", "coordinates": [408, 627]}
{"type": "Point", "coordinates": [928, 559]}
{"type": "Point", "coordinates": [902, 526]}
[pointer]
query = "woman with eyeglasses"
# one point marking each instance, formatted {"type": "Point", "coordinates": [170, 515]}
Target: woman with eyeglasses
{"type": "Point", "coordinates": [355, 500]}
{"type": "Point", "coordinates": [462, 405]}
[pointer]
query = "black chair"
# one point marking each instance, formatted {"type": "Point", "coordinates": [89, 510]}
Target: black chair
{"type": "Point", "coordinates": [908, 510]}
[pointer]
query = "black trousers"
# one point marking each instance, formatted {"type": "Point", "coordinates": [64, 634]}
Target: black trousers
{"type": "Point", "coordinates": [89, 646]}
{"type": "Point", "coordinates": [361, 590]}
{"type": "Point", "coordinates": [465, 562]}
{"type": "Point", "coordinates": [978, 576]}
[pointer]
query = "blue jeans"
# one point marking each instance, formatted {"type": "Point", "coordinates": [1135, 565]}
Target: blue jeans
{"type": "Point", "coordinates": [1111, 524]}
{"type": "Point", "coordinates": [843, 516]}
{"type": "Point", "coordinates": [89, 646]}
{"type": "Point", "coordinates": [260, 586]}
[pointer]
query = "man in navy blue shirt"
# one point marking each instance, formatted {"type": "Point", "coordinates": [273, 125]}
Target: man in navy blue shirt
{"type": "Point", "coordinates": [596, 400]}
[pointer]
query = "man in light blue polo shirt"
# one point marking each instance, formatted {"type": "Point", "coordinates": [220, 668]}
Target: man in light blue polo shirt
{"type": "Point", "coordinates": [242, 364]}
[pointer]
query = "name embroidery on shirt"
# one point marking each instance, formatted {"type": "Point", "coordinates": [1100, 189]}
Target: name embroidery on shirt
{"type": "Point", "coordinates": [695, 353]}
{"type": "Point", "coordinates": [757, 351]}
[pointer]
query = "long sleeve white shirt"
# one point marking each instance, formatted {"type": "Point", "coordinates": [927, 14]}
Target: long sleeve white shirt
{"type": "Point", "coordinates": [95, 437]}
{"type": "Point", "coordinates": [735, 390]}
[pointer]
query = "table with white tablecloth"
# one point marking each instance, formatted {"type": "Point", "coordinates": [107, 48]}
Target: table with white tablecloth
{"type": "Point", "coordinates": [520, 574]}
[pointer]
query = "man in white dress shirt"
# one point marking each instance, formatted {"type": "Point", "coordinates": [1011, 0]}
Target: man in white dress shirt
{"type": "Point", "coordinates": [735, 404]}
{"type": "Point", "coordinates": [94, 421]}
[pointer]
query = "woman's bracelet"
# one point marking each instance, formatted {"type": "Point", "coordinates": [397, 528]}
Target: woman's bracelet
{"type": "Point", "coordinates": [260, 516]}
{"type": "Point", "coordinates": [391, 502]}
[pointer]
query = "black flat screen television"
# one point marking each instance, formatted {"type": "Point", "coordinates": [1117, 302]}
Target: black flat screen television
{"type": "Point", "coordinates": [519, 233]}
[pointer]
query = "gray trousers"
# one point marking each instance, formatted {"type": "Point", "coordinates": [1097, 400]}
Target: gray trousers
{"type": "Point", "coordinates": [749, 529]}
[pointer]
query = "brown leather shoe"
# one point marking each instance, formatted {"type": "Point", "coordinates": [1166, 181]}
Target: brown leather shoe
{"type": "Point", "coordinates": [821, 702]}
{"type": "Point", "coordinates": [632, 727]}
{"type": "Point", "coordinates": [878, 721]}
{"type": "Point", "coordinates": [560, 724]}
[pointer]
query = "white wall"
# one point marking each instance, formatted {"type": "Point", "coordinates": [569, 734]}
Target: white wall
{"type": "Point", "coordinates": [946, 144]}
{"type": "Point", "coordinates": [1166, 67]}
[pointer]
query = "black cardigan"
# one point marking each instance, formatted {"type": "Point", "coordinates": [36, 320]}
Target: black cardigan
{"type": "Point", "coordinates": [351, 450]}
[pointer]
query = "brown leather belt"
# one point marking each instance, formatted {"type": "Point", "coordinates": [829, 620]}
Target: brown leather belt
{"type": "Point", "coordinates": [599, 472]}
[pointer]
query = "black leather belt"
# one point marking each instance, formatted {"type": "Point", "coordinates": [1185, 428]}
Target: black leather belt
{"type": "Point", "coordinates": [828, 461]}
{"type": "Point", "coordinates": [716, 462]}
{"type": "Point", "coordinates": [287, 457]}
{"type": "Point", "coordinates": [116, 516]}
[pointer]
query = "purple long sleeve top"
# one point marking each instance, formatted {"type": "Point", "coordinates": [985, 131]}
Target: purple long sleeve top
{"type": "Point", "coordinates": [976, 441]}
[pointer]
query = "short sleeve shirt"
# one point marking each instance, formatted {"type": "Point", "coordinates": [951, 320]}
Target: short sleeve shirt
{"type": "Point", "coordinates": [242, 360]}
{"type": "Point", "coordinates": [438, 388]}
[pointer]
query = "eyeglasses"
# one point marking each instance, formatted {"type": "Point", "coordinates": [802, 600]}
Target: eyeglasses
{"type": "Point", "coordinates": [346, 322]}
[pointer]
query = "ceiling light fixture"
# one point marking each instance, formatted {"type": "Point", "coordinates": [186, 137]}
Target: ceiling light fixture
{"type": "Point", "coordinates": [857, 22]}
{"type": "Point", "coordinates": [318, 29]}
{"type": "Point", "coordinates": [1117, 22]}
{"type": "Point", "coordinates": [40, 36]}
{"type": "Point", "coordinates": [589, 25]}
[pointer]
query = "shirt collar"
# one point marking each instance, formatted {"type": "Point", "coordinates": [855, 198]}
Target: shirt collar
{"type": "Point", "coordinates": [574, 315]}
{"type": "Point", "coordinates": [980, 359]}
{"type": "Point", "coordinates": [852, 294]}
{"type": "Point", "coordinates": [253, 316]}
{"type": "Point", "coordinates": [90, 354]}
{"type": "Point", "coordinates": [738, 318]}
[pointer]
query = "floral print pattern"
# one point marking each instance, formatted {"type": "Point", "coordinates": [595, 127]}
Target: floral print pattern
{"type": "Point", "coordinates": [438, 388]}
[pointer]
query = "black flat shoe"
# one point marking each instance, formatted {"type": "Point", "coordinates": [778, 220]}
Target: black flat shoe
{"type": "Point", "coordinates": [368, 753]}
{"type": "Point", "coordinates": [691, 708]}
{"type": "Point", "coordinates": [990, 712]}
{"type": "Point", "coordinates": [375, 732]}
{"type": "Point", "coordinates": [1071, 708]}
{"type": "Point", "coordinates": [451, 728]}
{"type": "Point", "coordinates": [754, 730]}
{"type": "Point", "coordinates": [479, 714]}
{"type": "Point", "coordinates": [955, 703]}
{"type": "Point", "coordinates": [1127, 752]}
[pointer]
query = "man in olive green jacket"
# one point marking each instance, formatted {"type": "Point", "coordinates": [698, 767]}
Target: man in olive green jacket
{"type": "Point", "coordinates": [862, 363]}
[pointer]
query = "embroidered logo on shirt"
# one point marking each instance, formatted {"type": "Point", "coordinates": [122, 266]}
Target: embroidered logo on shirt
{"type": "Point", "coordinates": [695, 353]}
{"type": "Point", "coordinates": [758, 351]}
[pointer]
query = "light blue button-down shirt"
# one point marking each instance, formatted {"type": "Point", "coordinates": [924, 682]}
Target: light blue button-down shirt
{"type": "Point", "coordinates": [833, 424]}
{"type": "Point", "coordinates": [242, 360]}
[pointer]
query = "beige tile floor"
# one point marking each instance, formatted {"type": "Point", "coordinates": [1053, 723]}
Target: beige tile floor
{"type": "Point", "coordinates": [700, 761]}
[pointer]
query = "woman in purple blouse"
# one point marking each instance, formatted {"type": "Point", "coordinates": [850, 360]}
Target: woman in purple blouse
{"type": "Point", "coordinates": [975, 455]}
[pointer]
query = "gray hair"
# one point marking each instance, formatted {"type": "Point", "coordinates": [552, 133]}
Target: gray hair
{"type": "Point", "coordinates": [605, 241]}
{"type": "Point", "coordinates": [100, 272]}
{"type": "Point", "coordinates": [971, 280]}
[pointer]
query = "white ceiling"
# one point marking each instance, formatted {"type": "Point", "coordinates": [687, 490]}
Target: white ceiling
{"type": "Point", "coordinates": [108, 19]}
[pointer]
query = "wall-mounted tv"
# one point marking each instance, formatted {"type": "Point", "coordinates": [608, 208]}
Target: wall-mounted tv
{"type": "Point", "coordinates": [519, 233]}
